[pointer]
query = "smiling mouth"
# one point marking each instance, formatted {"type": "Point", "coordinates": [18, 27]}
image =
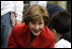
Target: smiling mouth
{"type": "Point", "coordinates": [36, 31]}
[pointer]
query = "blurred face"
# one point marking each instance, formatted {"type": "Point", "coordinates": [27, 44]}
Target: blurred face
{"type": "Point", "coordinates": [36, 27]}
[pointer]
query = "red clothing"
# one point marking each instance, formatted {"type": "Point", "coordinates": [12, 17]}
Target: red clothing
{"type": "Point", "coordinates": [20, 38]}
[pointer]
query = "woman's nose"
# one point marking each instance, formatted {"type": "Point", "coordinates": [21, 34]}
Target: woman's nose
{"type": "Point", "coordinates": [37, 27]}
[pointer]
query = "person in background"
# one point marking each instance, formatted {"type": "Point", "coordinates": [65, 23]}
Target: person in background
{"type": "Point", "coordinates": [61, 28]}
{"type": "Point", "coordinates": [11, 15]}
{"type": "Point", "coordinates": [33, 33]}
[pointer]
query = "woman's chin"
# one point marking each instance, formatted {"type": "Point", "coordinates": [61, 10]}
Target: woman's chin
{"type": "Point", "coordinates": [36, 33]}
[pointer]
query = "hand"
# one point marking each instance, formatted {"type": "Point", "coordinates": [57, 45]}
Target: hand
{"type": "Point", "coordinates": [18, 22]}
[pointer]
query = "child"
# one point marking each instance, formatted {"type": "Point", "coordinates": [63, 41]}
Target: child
{"type": "Point", "coordinates": [61, 25]}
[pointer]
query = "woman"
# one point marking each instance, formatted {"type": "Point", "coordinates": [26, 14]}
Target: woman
{"type": "Point", "coordinates": [34, 33]}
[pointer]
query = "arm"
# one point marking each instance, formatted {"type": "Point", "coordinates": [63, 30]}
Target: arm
{"type": "Point", "coordinates": [19, 11]}
{"type": "Point", "coordinates": [51, 45]}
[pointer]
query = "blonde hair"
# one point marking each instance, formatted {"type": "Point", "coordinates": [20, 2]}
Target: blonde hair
{"type": "Point", "coordinates": [36, 12]}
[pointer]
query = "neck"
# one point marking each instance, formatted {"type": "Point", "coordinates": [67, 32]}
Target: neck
{"type": "Point", "coordinates": [32, 36]}
{"type": "Point", "coordinates": [59, 36]}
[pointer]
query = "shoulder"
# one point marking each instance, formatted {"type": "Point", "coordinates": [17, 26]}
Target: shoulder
{"type": "Point", "coordinates": [55, 7]}
{"type": "Point", "coordinates": [48, 35]}
{"type": "Point", "coordinates": [63, 44]}
{"type": "Point", "coordinates": [19, 29]}
{"type": "Point", "coordinates": [21, 26]}
{"type": "Point", "coordinates": [49, 5]}
{"type": "Point", "coordinates": [67, 36]}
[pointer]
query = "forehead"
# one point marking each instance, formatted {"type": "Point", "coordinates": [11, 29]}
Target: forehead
{"type": "Point", "coordinates": [38, 20]}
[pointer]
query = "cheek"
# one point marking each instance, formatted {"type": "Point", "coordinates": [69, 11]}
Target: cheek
{"type": "Point", "coordinates": [53, 33]}
{"type": "Point", "coordinates": [42, 26]}
{"type": "Point", "coordinates": [31, 26]}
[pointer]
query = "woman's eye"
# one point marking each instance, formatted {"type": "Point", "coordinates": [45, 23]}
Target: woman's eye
{"type": "Point", "coordinates": [40, 23]}
{"type": "Point", "coordinates": [33, 23]}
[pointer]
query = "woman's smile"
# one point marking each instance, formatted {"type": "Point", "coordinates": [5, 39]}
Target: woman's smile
{"type": "Point", "coordinates": [36, 31]}
{"type": "Point", "coordinates": [36, 27]}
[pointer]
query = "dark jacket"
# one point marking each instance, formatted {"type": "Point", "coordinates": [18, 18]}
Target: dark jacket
{"type": "Point", "coordinates": [52, 8]}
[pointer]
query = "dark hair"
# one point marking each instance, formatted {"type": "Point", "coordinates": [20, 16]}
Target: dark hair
{"type": "Point", "coordinates": [61, 22]}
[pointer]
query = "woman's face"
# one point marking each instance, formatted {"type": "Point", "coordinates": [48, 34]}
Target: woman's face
{"type": "Point", "coordinates": [36, 27]}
